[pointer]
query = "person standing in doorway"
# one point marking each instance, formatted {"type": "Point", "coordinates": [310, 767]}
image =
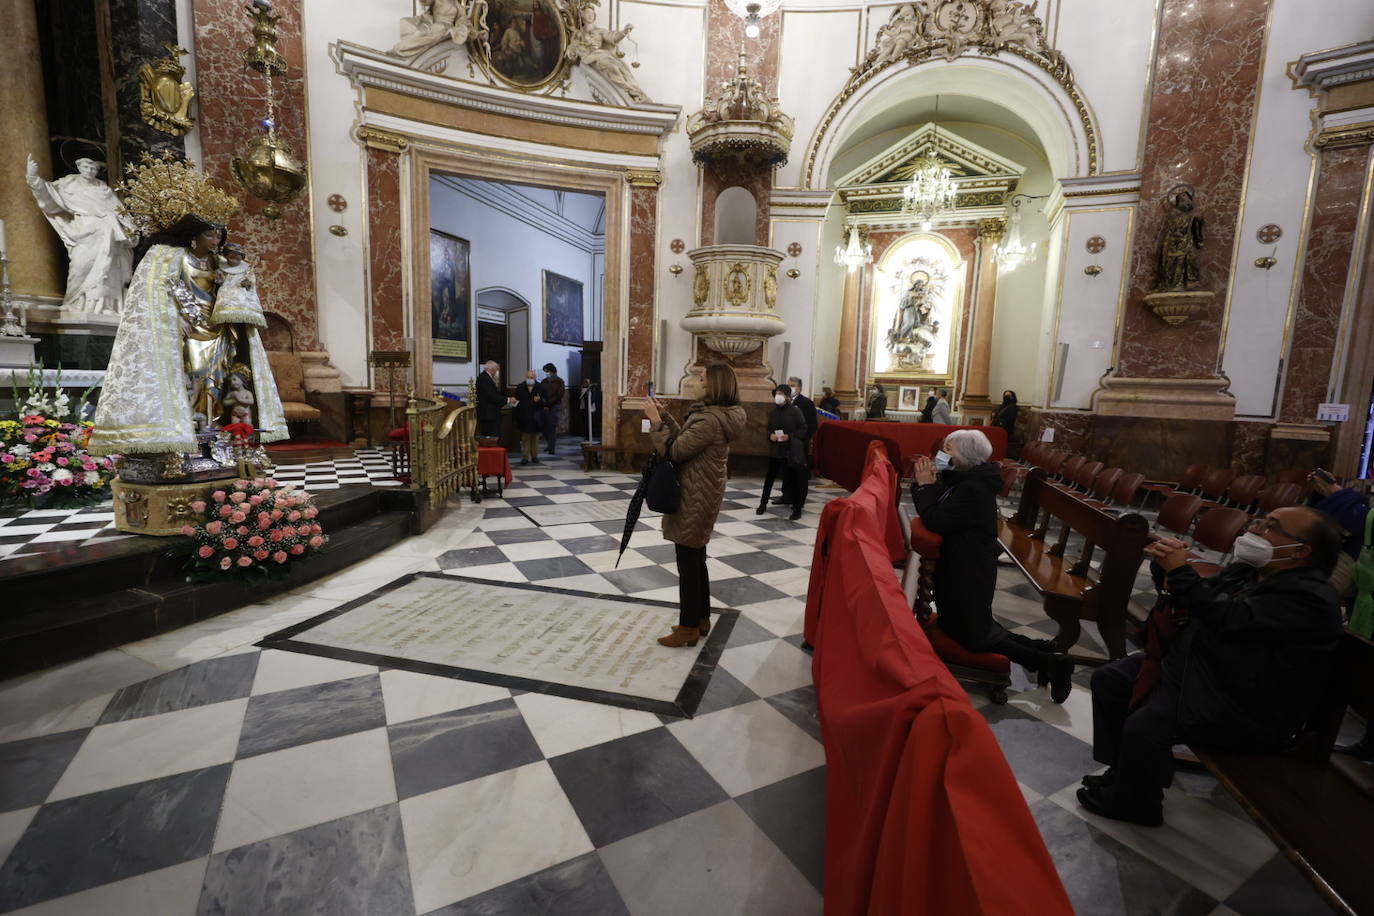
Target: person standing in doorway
{"type": "Point", "coordinates": [786, 457]}
{"type": "Point", "coordinates": [490, 400]}
{"type": "Point", "coordinates": [529, 412]}
{"type": "Point", "coordinates": [553, 404]}
{"type": "Point", "coordinates": [940, 413]}
{"type": "Point", "coordinates": [808, 412]}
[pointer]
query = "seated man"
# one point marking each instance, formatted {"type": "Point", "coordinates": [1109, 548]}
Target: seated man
{"type": "Point", "coordinates": [1243, 671]}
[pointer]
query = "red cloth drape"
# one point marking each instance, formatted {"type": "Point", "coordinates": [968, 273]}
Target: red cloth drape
{"type": "Point", "coordinates": [923, 813]}
{"type": "Point", "coordinates": [840, 443]}
{"type": "Point", "coordinates": [494, 462]}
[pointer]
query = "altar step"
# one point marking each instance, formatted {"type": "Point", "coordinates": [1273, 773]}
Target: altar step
{"type": "Point", "coordinates": [69, 603]}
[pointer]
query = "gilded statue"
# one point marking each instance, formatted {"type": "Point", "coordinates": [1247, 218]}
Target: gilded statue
{"type": "Point", "coordinates": [178, 347]}
{"type": "Point", "coordinates": [1178, 243]}
{"type": "Point", "coordinates": [100, 240]}
{"type": "Point", "coordinates": [597, 48]}
{"type": "Point", "coordinates": [164, 100]}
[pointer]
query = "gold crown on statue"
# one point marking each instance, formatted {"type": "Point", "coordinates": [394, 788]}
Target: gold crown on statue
{"type": "Point", "coordinates": [160, 192]}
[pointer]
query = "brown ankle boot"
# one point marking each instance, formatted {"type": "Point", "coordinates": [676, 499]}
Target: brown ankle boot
{"type": "Point", "coordinates": [681, 636]}
{"type": "Point", "coordinates": [705, 626]}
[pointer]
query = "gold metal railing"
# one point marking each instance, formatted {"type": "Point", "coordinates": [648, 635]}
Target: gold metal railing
{"type": "Point", "coordinates": [442, 448]}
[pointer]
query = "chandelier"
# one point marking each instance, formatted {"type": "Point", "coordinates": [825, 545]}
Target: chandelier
{"type": "Point", "coordinates": [856, 254]}
{"type": "Point", "coordinates": [1012, 252]}
{"type": "Point", "coordinates": [752, 12]}
{"type": "Point", "coordinates": [930, 192]}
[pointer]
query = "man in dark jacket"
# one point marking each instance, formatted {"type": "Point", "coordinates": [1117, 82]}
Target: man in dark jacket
{"type": "Point", "coordinates": [808, 412]}
{"type": "Point", "coordinates": [490, 400]}
{"type": "Point", "coordinates": [553, 404]}
{"type": "Point", "coordinates": [786, 433]}
{"type": "Point", "coordinates": [1243, 672]}
{"type": "Point", "coordinates": [529, 416]}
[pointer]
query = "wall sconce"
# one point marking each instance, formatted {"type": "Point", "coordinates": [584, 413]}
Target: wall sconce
{"type": "Point", "coordinates": [675, 269]}
{"type": "Point", "coordinates": [793, 273]}
{"type": "Point", "coordinates": [1092, 270]}
{"type": "Point", "coordinates": [340, 231]}
{"type": "Point", "coordinates": [1268, 260]}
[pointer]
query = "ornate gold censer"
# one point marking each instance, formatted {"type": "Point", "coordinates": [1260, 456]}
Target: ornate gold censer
{"type": "Point", "coordinates": [265, 167]}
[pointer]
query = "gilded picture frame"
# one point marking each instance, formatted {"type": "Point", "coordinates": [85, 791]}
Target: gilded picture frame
{"type": "Point", "coordinates": [527, 43]}
{"type": "Point", "coordinates": [563, 309]}
{"type": "Point", "coordinates": [450, 295]}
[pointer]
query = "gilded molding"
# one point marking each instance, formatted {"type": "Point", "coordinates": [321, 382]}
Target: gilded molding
{"type": "Point", "coordinates": [991, 229]}
{"type": "Point", "coordinates": [644, 177]}
{"type": "Point", "coordinates": [1341, 137]}
{"type": "Point", "coordinates": [377, 138]}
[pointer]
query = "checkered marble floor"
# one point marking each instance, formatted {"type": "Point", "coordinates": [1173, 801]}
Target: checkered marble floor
{"type": "Point", "coordinates": [195, 773]}
{"type": "Point", "coordinates": [35, 531]}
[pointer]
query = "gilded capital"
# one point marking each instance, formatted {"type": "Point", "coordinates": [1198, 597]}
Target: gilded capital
{"type": "Point", "coordinates": [644, 177]}
{"type": "Point", "coordinates": [1339, 137]}
{"type": "Point", "coordinates": [376, 138]}
{"type": "Point", "coordinates": [991, 229]}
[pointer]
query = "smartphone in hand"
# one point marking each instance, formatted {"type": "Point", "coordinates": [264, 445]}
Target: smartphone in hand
{"type": "Point", "coordinates": [1323, 475]}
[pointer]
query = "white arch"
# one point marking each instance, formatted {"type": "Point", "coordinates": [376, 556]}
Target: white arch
{"type": "Point", "coordinates": [1063, 122]}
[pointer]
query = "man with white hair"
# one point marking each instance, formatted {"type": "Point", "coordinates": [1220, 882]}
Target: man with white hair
{"type": "Point", "coordinates": [960, 505]}
{"type": "Point", "coordinates": [490, 400]}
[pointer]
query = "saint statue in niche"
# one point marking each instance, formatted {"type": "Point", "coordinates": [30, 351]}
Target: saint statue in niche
{"type": "Point", "coordinates": [598, 48]}
{"type": "Point", "coordinates": [915, 330]}
{"type": "Point", "coordinates": [1178, 243]}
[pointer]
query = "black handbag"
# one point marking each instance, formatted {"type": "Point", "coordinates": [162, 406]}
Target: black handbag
{"type": "Point", "coordinates": [663, 493]}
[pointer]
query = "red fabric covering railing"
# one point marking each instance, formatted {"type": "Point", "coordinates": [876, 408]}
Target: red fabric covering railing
{"type": "Point", "coordinates": [839, 449]}
{"type": "Point", "coordinates": [923, 813]}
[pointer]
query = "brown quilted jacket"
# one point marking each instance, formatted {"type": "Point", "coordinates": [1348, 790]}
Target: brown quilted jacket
{"type": "Point", "coordinates": [701, 446]}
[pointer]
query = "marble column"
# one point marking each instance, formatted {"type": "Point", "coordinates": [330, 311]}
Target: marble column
{"type": "Point", "coordinates": [384, 281]}
{"type": "Point", "coordinates": [138, 29]}
{"type": "Point", "coordinates": [846, 360]}
{"type": "Point", "coordinates": [32, 246]}
{"type": "Point", "coordinates": [1208, 63]}
{"type": "Point", "coordinates": [232, 101]}
{"type": "Point", "coordinates": [975, 402]}
{"type": "Point", "coordinates": [641, 316]}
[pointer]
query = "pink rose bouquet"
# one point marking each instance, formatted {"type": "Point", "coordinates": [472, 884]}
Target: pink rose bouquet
{"type": "Point", "coordinates": [225, 544]}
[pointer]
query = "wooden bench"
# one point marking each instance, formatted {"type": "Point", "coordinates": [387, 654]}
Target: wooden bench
{"type": "Point", "coordinates": [1072, 589]}
{"type": "Point", "coordinates": [595, 454]}
{"type": "Point", "coordinates": [1317, 807]}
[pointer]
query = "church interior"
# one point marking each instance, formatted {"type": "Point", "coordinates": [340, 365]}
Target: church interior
{"type": "Point", "coordinates": [979, 393]}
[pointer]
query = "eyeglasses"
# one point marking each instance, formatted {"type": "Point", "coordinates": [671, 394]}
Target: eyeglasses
{"type": "Point", "coordinates": [1265, 525]}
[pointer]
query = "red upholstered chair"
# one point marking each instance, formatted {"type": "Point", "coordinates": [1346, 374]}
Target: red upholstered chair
{"type": "Point", "coordinates": [1297, 476]}
{"type": "Point", "coordinates": [1276, 496]}
{"type": "Point", "coordinates": [1241, 494]}
{"type": "Point", "coordinates": [1087, 474]}
{"type": "Point", "coordinates": [1053, 460]}
{"type": "Point", "coordinates": [1101, 489]}
{"type": "Point", "coordinates": [1070, 467]}
{"type": "Point", "coordinates": [1214, 485]}
{"type": "Point", "coordinates": [1178, 513]}
{"type": "Point", "coordinates": [1121, 494]}
{"type": "Point", "coordinates": [1009, 475]}
{"type": "Point", "coordinates": [1192, 478]}
{"type": "Point", "coordinates": [1217, 530]}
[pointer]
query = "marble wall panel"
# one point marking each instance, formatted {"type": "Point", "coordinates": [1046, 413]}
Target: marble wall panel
{"type": "Point", "coordinates": [70, 53]}
{"type": "Point", "coordinates": [639, 330]}
{"type": "Point", "coordinates": [384, 250]}
{"type": "Point", "coordinates": [232, 102]}
{"type": "Point", "coordinates": [1249, 443]}
{"type": "Point", "coordinates": [138, 30]}
{"type": "Point", "coordinates": [1325, 273]}
{"type": "Point", "coordinates": [1207, 68]}
{"type": "Point", "coordinates": [1072, 429]}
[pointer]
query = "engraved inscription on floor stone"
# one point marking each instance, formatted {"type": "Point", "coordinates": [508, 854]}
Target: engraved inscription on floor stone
{"type": "Point", "coordinates": [575, 640]}
{"type": "Point", "coordinates": [573, 513]}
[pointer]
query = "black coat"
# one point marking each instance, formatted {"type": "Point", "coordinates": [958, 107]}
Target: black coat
{"type": "Point", "coordinates": [528, 414]}
{"type": "Point", "coordinates": [808, 412]}
{"type": "Point", "coordinates": [1005, 418]}
{"type": "Point", "coordinates": [830, 404]}
{"type": "Point", "coordinates": [790, 420]}
{"type": "Point", "coordinates": [961, 507]}
{"type": "Point", "coordinates": [490, 400]}
{"type": "Point", "coordinates": [877, 407]}
{"type": "Point", "coordinates": [1255, 654]}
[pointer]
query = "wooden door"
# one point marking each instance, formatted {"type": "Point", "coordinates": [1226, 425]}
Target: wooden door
{"type": "Point", "coordinates": [492, 344]}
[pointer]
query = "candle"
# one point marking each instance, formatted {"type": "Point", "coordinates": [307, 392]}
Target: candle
{"type": "Point", "coordinates": [3, 249]}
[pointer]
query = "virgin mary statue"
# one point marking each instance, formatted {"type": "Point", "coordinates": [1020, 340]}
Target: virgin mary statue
{"type": "Point", "coordinates": [173, 356]}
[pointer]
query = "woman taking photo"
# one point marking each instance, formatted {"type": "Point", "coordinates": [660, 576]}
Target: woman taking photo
{"type": "Point", "coordinates": [699, 448]}
{"type": "Point", "coordinates": [960, 505]}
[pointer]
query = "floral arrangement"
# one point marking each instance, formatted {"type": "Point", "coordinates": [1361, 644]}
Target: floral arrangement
{"type": "Point", "coordinates": [254, 525]}
{"type": "Point", "coordinates": [43, 460]}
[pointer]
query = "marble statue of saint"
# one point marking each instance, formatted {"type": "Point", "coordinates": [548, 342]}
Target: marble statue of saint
{"type": "Point", "coordinates": [442, 20]}
{"type": "Point", "coordinates": [897, 37]}
{"type": "Point", "coordinates": [595, 47]}
{"type": "Point", "coordinates": [1178, 243]}
{"type": "Point", "coordinates": [100, 242]}
{"type": "Point", "coordinates": [913, 313]}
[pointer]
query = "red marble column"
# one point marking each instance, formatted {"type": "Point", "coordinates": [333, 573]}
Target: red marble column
{"type": "Point", "coordinates": [384, 249]}
{"type": "Point", "coordinates": [1208, 63]}
{"type": "Point", "coordinates": [232, 100]}
{"type": "Point", "coordinates": [639, 330]}
{"type": "Point", "coordinates": [1326, 270]}
{"type": "Point", "coordinates": [725, 39]}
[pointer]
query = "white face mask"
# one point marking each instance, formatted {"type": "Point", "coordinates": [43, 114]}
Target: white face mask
{"type": "Point", "coordinates": [943, 461]}
{"type": "Point", "coordinates": [1254, 550]}
{"type": "Point", "coordinates": [528, 380]}
{"type": "Point", "coordinates": [779, 400]}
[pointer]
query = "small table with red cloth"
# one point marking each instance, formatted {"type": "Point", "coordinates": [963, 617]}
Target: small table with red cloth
{"type": "Point", "coordinates": [494, 462]}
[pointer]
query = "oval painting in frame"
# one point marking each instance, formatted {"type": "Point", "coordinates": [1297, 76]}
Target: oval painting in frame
{"type": "Point", "coordinates": [527, 40]}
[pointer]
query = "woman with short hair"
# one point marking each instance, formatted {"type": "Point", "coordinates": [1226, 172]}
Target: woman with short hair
{"type": "Point", "coordinates": [960, 505]}
{"type": "Point", "coordinates": [699, 447]}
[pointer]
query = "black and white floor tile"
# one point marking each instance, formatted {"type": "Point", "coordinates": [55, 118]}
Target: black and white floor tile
{"type": "Point", "coordinates": [194, 773]}
{"type": "Point", "coordinates": [34, 531]}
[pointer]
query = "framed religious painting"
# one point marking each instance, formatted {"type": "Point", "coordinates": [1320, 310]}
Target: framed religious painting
{"type": "Point", "coordinates": [526, 42]}
{"type": "Point", "coordinates": [562, 310]}
{"type": "Point", "coordinates": [908, 397]}
{"type": "Point", "coordinates": [918, 292]}
{"type": "Point", "coordinates": [450, 295]}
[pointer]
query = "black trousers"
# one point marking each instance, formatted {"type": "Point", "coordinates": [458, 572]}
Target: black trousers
{"type": "Point", "coordinates": [805, 474]}
{"type": "Point", "coordinates": [550, 419]}
{"type": "Point", "coordinates": [1137, 744]}
{"type": "Point", "coordinates": [1022, 650]}
{"type": "Point", "coordinates": [795, 481]}
{"type": "Point", "coordinates": [694, 586]}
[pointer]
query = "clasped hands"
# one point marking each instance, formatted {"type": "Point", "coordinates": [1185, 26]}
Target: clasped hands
{"type": "Point", "coordinates": [923, 469]}
{"type": "Point", "coordinates": [1169, 553]}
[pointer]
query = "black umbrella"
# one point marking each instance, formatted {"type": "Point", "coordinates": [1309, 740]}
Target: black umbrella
{"type": "Point", "coordinates": [636, 504]}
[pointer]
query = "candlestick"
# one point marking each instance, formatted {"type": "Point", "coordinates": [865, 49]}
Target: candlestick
{"type": "Point", "coordinates": [3, 246]}
{"type": "Point", "coordinates": [10, 326]}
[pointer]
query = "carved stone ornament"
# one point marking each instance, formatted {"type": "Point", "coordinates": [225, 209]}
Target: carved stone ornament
{"type": "Point", "coordinates": [164, 101]}
{"type": "Point", "coordinates": [741, 122]}
{"type": "Point", "coordinates": [701, 285]}
{"type": "Point", "coordinates": [734, 306]}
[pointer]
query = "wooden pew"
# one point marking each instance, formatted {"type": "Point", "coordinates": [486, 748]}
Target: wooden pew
{"type": "Point", "coordinates": [1072, 590]}
{"type": "Point", "coordinates": [1316, 806]}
